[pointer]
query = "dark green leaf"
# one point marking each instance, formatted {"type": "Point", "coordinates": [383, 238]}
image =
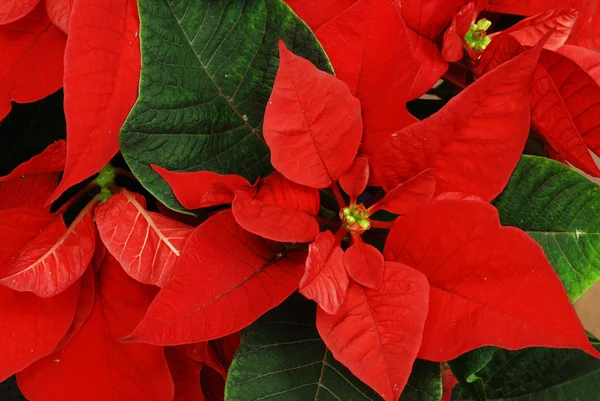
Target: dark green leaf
{"type": "Point", "coordinates": [466, 368]}
{"type": "Point", "coordinates": [29, 129]}
{"type": "Point", "coordinates": [207, 72]}
{"type": "Point", "coordinates": [282, 357]}
{"type": "Point", "coordinates": [538, 374]}
{"type": "Point", "coordinates": [560, 209]}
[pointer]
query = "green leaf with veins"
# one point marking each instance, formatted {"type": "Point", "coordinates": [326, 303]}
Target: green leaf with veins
{"type": "Point", "coordinates": [560, 209]}
{"type": "Point", "coordinates": [207, 72]}
{"type": "Point", "coordinates": [282, 357]}
{"type": "Point", "coordinates": [533, 374]}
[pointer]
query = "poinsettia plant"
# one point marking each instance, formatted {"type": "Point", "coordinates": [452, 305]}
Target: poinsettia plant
{"type": "Point", "coordinates": [303, 200]}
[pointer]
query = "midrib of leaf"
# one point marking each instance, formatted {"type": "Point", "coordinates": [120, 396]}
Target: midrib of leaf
{"type": "Point", "coordinates": [61, 240]}
{"type": "Point", "coordinates": [226, 98]}
{"type": "Point", "coordinates": [150, 222]}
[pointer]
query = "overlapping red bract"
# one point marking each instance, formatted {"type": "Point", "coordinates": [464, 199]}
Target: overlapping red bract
{"type": "Point", "coordinates": [452, 279]}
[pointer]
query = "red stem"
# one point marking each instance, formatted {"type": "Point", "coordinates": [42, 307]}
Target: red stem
{"type": "Point", "coordinates": [68, 204]}
{"type": "Point", "coordinates": [338, 195]}
{"type": "Point", "coordinates": [328, 223]}
{"type": "Point", "coordinates": [387, 225]}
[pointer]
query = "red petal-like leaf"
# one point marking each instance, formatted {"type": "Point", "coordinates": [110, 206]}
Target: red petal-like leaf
{"type": "Point", "coordinates": [587, 59]}
{"type": "Point", "coordinates": [531, 30]}
{"type": "Point", "coordinates": [316, 12]}
{"type": "Point", "coordinates": [412, 193]}
{"type": "Point", "coordinates": [186, 376]}
{"type": "Point", "coordinates": [564, 101]}
{"type": "Point", "coordinates": [433, 64]}
{"type": "Point", "coordinates": [51, 260]}
{"type": "Point", "coordinates": [453, 48]}
{"type": "Point", "coordinates": [586, 32]}
{"type": "Point", "coordinates": [325, 280]}
{"type": "Point", "coordinates": [524, 7]}
{"type": "Point", "coordinates": [32, 182]}
{"type": "Point", "coordinates": [12, 10]}
{"type": "Point", "coordinates": [282, 210]}
{"type": "Point", "coordinates": [31, 327]}
{"type": "Point", "coordinates": [87, 297]}
{"type": "Point", "coordinates": [225, 349]}
{"type": "Point", "coordinates": [102, 69]}
{"type": "Point", "coordinates": [370, 50]}
{"type": "Point", "coordinates": [146, 244]}
{"type": "Point", "coordinates": [224, 280]}
{"type": "Point", "coordinates": [203, 353]}
{"type": "Point", "coordinates": [475, 141]}
{"type": "Point", "coordinates": [486, 282]}
{"type": "Point", "coordinates": [32, 59]}
{"type": "Point", "coordinates": [364, 263]}
{"type": "Point", "coordinates": [199, 189]}
{"type": "Point", "coordinates": [377, 333]}
{"type": "Point", "coordinates": [312, 123]}
{"type": "Point", "coordinates": [94, 365]}
{"type": "Point", "coordinates": [59, 12]}
{"type": "Point", "coordinates": [354, 181]}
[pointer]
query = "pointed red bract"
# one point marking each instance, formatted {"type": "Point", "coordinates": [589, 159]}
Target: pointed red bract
{"type": "Point", "coordinates": [281, 211]}
{"type": "Point", "coordinates": [31, 183]}
{"type": "Point", "coordinates": [186, 376]}
{"type": "Point", "coordinates": [146, 244]}
{"type": "Point", "coordinates": [364, 263]}
{"type": "Point", "coordinates": [531, 30]}
{"type": "Point", "coordinates": [312, 123]}
{"type": "Point", "coordinates": [490, 285]}
{"type": "Point", "coordinates": [59, 12]}
{"type": "Point", "coordinates": [412, 193]}
{"type": "Point", "coordinates": [12, 10]}
{"type": "Point", "coordinates": [474, 142]}
{"type": "Point", "coordinates": [354, 180]}
{"type": "Point", "coordinates": [94, 365]}
{"type": "Point", "coordinates": [49, 261]}
{"type": "Point", "coordinates": [325, 280]}
{"type": "Point", "coordinates": [32, 59]}
{"type": "Point", "coordinates": [370, 51]}
{"type": "Point", "coordinates": [102, 69]}
{"type": "Point", "coordinates": [196, 190]}
{"type": "Point", "coordinates": [225, 279]}
{"type": "Point", "coordinates": [586, 32]}
{"type": "Point", "coordinates": [564, 101]}
{"type": "Point", "coordinates": [377, 333]}
{"type": "Point", "coordinates": [31, 327]}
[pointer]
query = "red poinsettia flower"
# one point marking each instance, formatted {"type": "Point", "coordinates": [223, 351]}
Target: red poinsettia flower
{"type": "Point", "coordinates": [447, 263]}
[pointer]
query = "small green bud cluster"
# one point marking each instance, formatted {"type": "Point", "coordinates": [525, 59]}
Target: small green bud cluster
{"type": "Point", "coordinates": [355, 218]}
{"type": "Point", "coordinates": [476, 38]}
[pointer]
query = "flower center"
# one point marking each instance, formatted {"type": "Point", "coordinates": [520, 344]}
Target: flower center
{"type": "Point", "coordinates": [476, 37]}
{"type": "Point", "coordinates": [355, 218]}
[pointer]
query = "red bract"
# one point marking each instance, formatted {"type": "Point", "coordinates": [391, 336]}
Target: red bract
{"type": "Point", "coordinates": [311, 117]}
{"type": "Point", "coordinates": [32, 327]}
{"type": "Point", "coordinates": [524, 7]}
{"type": "Point", "coordinates": [474, 142]}
{"type": "Point", "coordinates": [482, 278]}
{"type": "Point", "coordinates": [32, 59]}
{"type": "Point", "coordinates": [564, 100]}
{"type": "Point", "coordinates": [376, 333]}
{"type": "Point", "coordinates": [94, 365]}
{"type": "Point", "coordinates": [221, 265]}
{"type": "Point", "coordinates": [102, 66]}
{"type": "Point", "coordinates": [44, 258]}
{"type": "Point", "coordinates": [59, 12]}
{"type": "Point", "coordinates": [146, 244]}
{"type": "Point", "coordinates": [186, 376]}
{"type": "Point", "coordinates": [370, 51]}
{"type": "Point", "coordinates": [32, 182]}
{"type": "Point", "coordinates": [12, 10]}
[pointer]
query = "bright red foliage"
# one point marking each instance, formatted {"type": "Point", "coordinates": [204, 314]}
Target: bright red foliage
{"type": "Point", "coordinates": [32, 64]}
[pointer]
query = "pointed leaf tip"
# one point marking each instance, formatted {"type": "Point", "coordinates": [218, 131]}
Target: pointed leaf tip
{"type": "Point", "coordinates": [311, 117]}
